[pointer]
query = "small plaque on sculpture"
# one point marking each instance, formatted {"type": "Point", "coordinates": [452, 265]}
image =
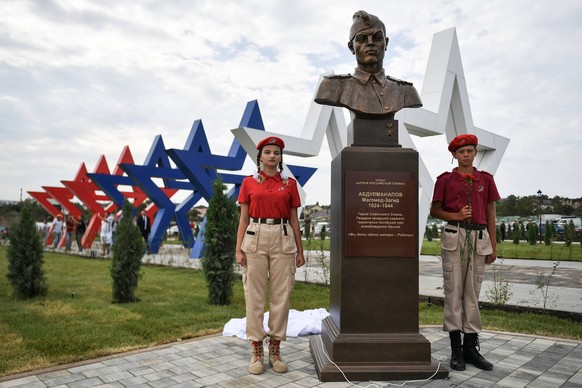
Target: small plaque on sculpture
{"type": "Point", "coordinates": [380, 214]}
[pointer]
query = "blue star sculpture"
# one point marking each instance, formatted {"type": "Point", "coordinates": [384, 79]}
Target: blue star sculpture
{"type": "Point", "coordinates": [200, 166]}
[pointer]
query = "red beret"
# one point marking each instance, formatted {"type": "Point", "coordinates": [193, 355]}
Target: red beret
{"type": "Point", "coordinates": [272, 140]}
{"type": "Point", "coordinates": [462, 140]}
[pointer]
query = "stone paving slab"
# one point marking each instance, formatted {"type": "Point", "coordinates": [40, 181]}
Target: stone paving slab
{"type": "Point", "coordinates": [216, 361]}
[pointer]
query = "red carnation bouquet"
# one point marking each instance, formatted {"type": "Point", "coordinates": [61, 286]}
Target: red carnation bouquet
{"type": "Point", "coordinates": [467, 248]}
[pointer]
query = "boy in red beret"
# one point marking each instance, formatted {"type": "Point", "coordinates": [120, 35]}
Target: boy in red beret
{"type": "Point", "coordinates": [465, 198]}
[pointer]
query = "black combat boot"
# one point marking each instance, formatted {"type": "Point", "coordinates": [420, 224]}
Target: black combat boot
{"type": "Point", "coordinates": [457, 360]}
{"type": "Point", "coordinates": [471, 352]}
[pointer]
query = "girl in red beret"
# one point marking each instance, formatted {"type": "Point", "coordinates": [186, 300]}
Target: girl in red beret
{"type": "Point", "coordinates": [465, 198]}
{"type": "Point", "coordinates": [268, 246]}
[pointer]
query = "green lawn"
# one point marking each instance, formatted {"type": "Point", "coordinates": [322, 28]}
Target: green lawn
{"type": "Point", "coordinates": [77, 321]}
{"type": "Point", "coordinates": [506, 249]}
{"type": "Point", "coordinates": [523, 250]}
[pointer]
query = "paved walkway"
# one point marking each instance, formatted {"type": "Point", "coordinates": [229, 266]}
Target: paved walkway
{"type": "Point", "coordinates": [520, 361]}
{"type": "Point", "coordinates": [216, 361]}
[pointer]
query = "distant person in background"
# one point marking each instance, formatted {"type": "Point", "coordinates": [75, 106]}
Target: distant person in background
{"type": "Point", "coordinates": [57, 230]}
{"type": "Point", "coordinates": [105, 234]}
{"type": "Point", "coordinates": [114, 223]}
{"type": "Point", "coordinates": [70, 232]}
{"type": "Point", "coordinates": [465, 198]}
{"type": "Point", "coordinates": [145, 227]}
{"type": "Point", "coordinates": [79, 232]}
{"type": "Point", "coordinates": [502, 229]}
{"type": "Point", "coordinates": [44, 231]}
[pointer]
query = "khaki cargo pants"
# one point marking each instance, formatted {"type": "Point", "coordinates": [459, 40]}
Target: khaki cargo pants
{"type": "Point", "coordinates": [463, 278]}
{"type": "Point", "coordinates": [270, 252]}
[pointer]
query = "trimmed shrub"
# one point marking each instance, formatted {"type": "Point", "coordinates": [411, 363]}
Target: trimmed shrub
{"type": "Point", "coordinates": [435, 231]}
{"type": "Point", "coordinates": [218, 255]}
{"type": "Point", "coordinates": [25, 257]}
{"type": "Point", "coordinates": [569, 232]}
{"type": "Point", "coordinates": [516, 233]}
{"type": "Point", "coordinates": [128, 251]}
{"type": "Point", "coordinates": [548, 233]}
{"type": "Point", "coordinates": [531, 234]}
{"type": "Point", "coordinates": [428, 233]}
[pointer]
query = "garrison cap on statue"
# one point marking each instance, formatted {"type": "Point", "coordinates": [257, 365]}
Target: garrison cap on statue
{"type": "Point", "coordinates": [272, 140]}
{"type": "Point", "coordinates": [462, 140]}
{"type": "Point", "coordinates": [362, 21]}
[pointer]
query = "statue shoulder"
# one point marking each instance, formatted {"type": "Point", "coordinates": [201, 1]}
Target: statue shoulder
{"type": "Point", "coordinates": [398, 81]}
{"type": "Point", "coordinates": [331, 89]}
{"type": "Point", "coordinates": [337, 76]}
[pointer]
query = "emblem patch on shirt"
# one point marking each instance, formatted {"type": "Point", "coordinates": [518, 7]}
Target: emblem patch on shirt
{"type": "Point", "coordinates": [481, 188]}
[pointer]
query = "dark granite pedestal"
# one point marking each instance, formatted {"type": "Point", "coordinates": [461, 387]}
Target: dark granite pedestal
{"type": "Point", "coordinates": [372, 332]}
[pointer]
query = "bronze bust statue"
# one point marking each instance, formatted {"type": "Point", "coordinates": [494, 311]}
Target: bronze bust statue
{"type": "Point", "coordinates": [369, 92]}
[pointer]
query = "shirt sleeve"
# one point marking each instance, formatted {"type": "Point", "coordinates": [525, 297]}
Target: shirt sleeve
{"type": "Point", "coordinates": [295, 200]}
{"type": "Point", "coordinates": [493, 193]}
{"type": "Point", "coordinates": [243, 195]}
{"type": "Point", "coordinates": [439, 190]}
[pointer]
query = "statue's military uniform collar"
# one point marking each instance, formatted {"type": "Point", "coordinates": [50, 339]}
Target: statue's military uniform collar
{"type": "Point", "coordinates": [364, 77]}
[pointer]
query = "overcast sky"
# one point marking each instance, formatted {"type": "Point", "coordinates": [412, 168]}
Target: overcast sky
{"type": "Point", "coordinates": [82, 78]}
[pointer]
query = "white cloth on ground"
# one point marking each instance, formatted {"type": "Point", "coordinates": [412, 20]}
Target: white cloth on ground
{"type": "Point", "coordinates": [300, 323]}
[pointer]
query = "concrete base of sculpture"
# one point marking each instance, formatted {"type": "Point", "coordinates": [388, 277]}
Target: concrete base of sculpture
{"type": "Point", "coordinates": [372, 332]}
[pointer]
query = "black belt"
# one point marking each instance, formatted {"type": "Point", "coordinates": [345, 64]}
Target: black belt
{"type": "Point", "coordinates": [271, 221]}
{"type": "Point", "coordinates": [468, 225]}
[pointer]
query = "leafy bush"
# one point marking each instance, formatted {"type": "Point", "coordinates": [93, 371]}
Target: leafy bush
{"type": "Point", "coordinates": [499, 291]}
{"type": "Point", "coordinates": [219, 245]}
{"type": "Point", "coordinates": [25, 257]}
{"type": "Point", "coordinates": [128, 251]}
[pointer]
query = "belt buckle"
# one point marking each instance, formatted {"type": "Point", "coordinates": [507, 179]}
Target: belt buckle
{"type": "Point", "coordinates": [270, 221]}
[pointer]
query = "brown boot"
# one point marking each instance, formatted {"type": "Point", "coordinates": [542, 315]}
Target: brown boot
{"type": "Point", "coordinates": [256, 366]}
{"type": "Point", "coordinates": [275, 360]}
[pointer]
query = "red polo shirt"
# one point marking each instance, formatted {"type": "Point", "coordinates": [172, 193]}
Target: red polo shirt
{"type": "Point", "coordinates": [271, 198]}
{"type": "Point", "coordinates": [450, 189]}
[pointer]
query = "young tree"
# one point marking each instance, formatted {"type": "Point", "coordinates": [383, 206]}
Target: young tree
{"type": "Point", "coordinates": [531, 234]}
{"type": "Point", "coordinates": [516, 233]}
{"type": "Point", "coordinates": [128, 251]}
{"type": "Point", "coordinates": [428, 233]}
{"type": "Point", "coordinates": [435, 231]}
{"type": "Point", "coordinates": [548, 233]}
{"type": "Point", "coordinates": [219, 245]}
{"type": "Point", "coordinates": [569, 231]}
{"type": "Point", "coordinates": [25, 257]}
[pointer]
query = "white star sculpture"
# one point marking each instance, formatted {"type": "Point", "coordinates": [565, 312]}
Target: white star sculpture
{"type": "Point", "coordinates": [446, 109]}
